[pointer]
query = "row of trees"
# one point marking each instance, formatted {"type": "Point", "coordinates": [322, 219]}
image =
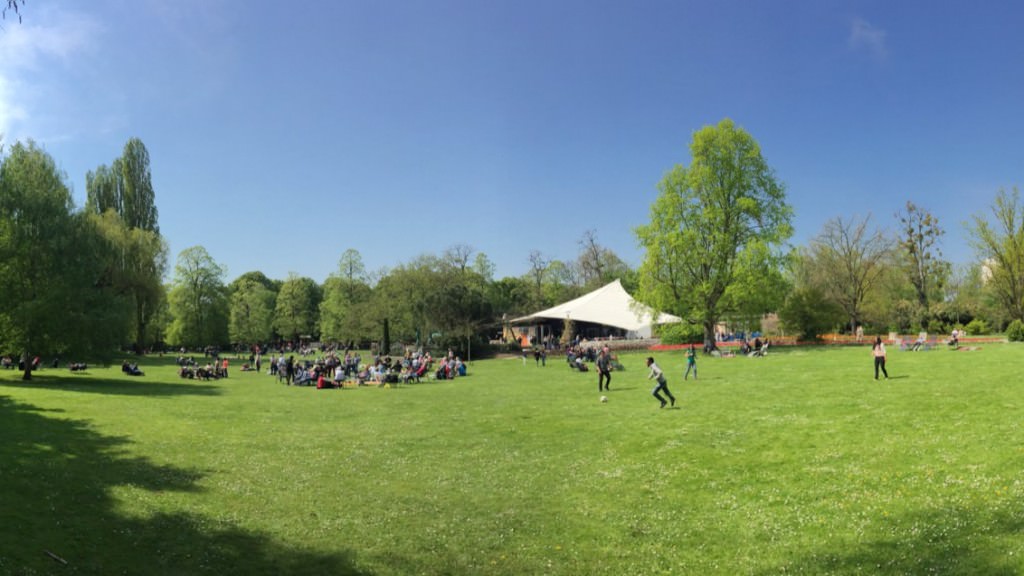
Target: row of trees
{"type": "Point", "coordinates": [448, 299]}
{"type": "Point", "coordinates": [716, 250]}
{"type": "Point", "coordinates": [80, 283]}
{"type": "Point", "coordinates": [76, 281]}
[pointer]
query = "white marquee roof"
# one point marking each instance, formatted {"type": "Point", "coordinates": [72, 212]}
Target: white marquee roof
{"type": "Point", "coordinates": [610, 305]}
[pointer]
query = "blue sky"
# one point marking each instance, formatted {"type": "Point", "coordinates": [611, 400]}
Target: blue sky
{"type": "Point", "coordinates": [283, 133]}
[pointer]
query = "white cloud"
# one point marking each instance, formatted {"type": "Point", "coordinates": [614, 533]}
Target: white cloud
{"type": "Point", "coordinates": [32, 52]}
{"type": "Point", "coordinates": [867, 37]}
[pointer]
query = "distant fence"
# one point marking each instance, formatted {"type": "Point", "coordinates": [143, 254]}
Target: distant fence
{"type": "Point", "coordinates": [842, 340]}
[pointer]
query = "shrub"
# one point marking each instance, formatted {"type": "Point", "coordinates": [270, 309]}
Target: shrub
{"type": "Point", "coordinates": [808, 313]}
{"type": "Point", "coordinates": [976, 327]}
{"type": "Point", "coordinates": [936, 326]}
{"type": "Point", "coordinates": [681, 333]}
{"type": "Point", "coordinates": [1015, 331]}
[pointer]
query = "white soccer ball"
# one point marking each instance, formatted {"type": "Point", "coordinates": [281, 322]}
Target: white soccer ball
{"type": "Point", "coordinates": [604, 399]}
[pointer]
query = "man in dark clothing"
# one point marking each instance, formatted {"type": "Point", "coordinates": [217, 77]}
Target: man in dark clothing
{"type": "Point", "coordinates": [604, 371]}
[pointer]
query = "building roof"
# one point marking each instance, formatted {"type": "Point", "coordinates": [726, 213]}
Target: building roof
{"type": "Point", "coordinates": [610, 305]}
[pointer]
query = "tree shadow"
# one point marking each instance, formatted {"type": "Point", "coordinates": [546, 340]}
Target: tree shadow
{"type": "Point", "coordinates": [56, 487]}
{"type": "Point", "coordinates": [90, 384]}
{"type": "Point", "coordinates": [953, 541]}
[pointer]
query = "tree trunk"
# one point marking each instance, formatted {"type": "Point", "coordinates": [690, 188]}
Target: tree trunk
{"type": "Point", "coordinates": [140, 327]}
{"type": "Point", "coordinates": [709, 336]}
{"type": "Point", "coordinates": [28, 367]}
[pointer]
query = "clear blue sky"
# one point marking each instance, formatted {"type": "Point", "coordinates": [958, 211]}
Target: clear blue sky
{"type": "Point", "coordinates": [283, 133]}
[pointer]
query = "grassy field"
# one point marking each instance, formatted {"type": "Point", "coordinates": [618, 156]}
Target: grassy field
{"type": "Point", "coordinates": [799, 463]}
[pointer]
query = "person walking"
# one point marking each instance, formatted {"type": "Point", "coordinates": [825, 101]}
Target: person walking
{"type": "Point", "coordinates": [662, 385]}
{"type": "Point", "coordinates": [604, 371]}
{"type": "Point", "coordinates": [878, 351]}
{"type": "Point", "coordinates": [691, 363]}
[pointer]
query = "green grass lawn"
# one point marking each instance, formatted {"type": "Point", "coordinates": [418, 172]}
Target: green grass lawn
{"type": "Point", "coordinates": [799, 462]}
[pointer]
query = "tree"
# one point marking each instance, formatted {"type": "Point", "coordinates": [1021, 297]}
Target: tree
{"type": "Point", "coordinates": [705, 219]}
{"type": "Point", "coordinates": [198, 300]}
{"type": "Point", "coordinates": [126, 189]}
{"type": "Point", "coordinates": [483, 266]}
{"type": "Point", "coordinates": [562, 282]}
{"type": "Point", "coordinates": [52, 260]}
{"type": "Point", "coordinates": [919, 235]}
{"type": "Point", "coordinates": [350, 266]}
{"type": "Point", "coordinates": [258, 277]}
{"type": "Point", "coordinates": [136, 270]}
{"type": "Point", "coordinates": [510, 296]}
{"type": "Point", "coordinates": [103, 189]}
{"type": "Point", "coordinates": [138, 205]}
{"type": "Point", "coordinates": [457, 256]}
{"type": "Point", "coordinates": [297, 311]}
{"type": "Point", "coordinates": [1000, 246]}
{"type": "Point", "coordinates": [459, 307]}
{"type": "Point", "coordinates": [401, 298]}
{"type": "Point", "coordinates": [538, 269]}
{"type": "Point", "coordinates": [599, 265]}
{"type": "Point", "coordinates": [592, 259]}
{"type": "Point", "coordinates": [807, 311]}
{"type": "Point", "coordinates": [346, 297]}
{"type": "Point", "coordinates": [251, 313]}
{"type": "Point", "coordinates": [849, 260]}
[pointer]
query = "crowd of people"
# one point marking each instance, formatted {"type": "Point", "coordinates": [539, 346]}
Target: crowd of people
{"type": "Point", "coordinates": [335, 368]}
{"type": "Point", "coordinates": [213, 369]}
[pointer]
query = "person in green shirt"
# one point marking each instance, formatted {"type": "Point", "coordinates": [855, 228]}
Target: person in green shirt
{"type": "Point", "coordinates": [691, 363]}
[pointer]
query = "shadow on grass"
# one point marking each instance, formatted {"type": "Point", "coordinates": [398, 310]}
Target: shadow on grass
{"type": "Point", "coordinates": [94, 384]}
{"type": "Point", "coordinates": [56, 484]}
{"type": "Point", "coordinates": [953, 541]}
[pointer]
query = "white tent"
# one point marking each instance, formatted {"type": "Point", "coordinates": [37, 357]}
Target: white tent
{"type": "Point", "coordinates": [610, 305]}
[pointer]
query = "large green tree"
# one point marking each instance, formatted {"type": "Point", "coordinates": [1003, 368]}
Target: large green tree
{"type": "Point", "coordinates": [806, 311]}
{"type": "Point", "coordinates": [850, 258]}
{"type": "Point", "coordinates": [344, 314]}
{"type": "Point", "coordinates": [297, 310]}
{"type": "Point", "coordinates": [126, 189]}
{"type": "Point", "coordinates": [52, 265]}
{"type": "Point", "coordinates": [198, 300]}
{"type": "Point", "coordinates": [704, 221]}
{"type": "Point", "coordinates": [251, 312]}
{"type": "Point", "coordinates": [999, 245]}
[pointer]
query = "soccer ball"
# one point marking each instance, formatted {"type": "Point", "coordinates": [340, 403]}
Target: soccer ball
{"type": "Point", "coordinates": [604, 399]}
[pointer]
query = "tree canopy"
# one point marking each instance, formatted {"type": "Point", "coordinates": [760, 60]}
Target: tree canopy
{"type": "Point", "coordinates": [198, 300]}
{"type": "Point", "coordinates": [1001, 247]}
{"type": "Point", "coordinates": [52, 265]}
{"type": "Point", "coordinates": [705, 222]}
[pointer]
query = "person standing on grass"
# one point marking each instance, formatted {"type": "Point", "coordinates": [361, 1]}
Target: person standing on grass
{"type": "Point", "coordinates": [878, 351]}
{"type": "Point", "coordinates": [691, 363]}
{"type": "Point", "coordinates": [604, 370]}
{"type": "Point", "coordinates": [662, 386]}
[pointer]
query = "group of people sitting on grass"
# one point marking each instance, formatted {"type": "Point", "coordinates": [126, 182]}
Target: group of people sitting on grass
{"type": "Point", "coordinates": [756, 349]}
{"type": "Point", "coordinates": [130, 368]}
{"type": "Point", "coordinates": [190, 369]}
{"type": "Point", "coordinates": [8, 364]}
{"type": "Point", "coordinates": [333, 371]}
{"type": "Point", "coordinates": [577, 357]}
